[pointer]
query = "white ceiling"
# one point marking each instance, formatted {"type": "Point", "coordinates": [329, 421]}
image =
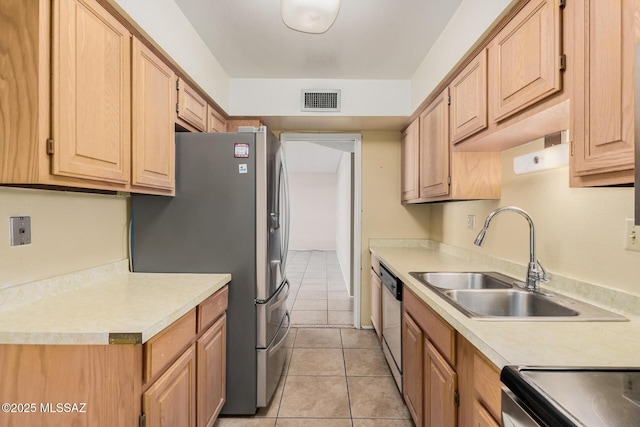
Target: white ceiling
{"type": "Point", "coordinates": [371, 39]}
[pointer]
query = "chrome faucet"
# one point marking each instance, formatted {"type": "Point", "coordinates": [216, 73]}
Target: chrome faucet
{"type": "Point", "coordinates": [535, 271]}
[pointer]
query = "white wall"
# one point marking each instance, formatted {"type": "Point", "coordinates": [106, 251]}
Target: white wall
{"type": "Point", "coordinates": [313, 211]}
{"type": "Point", "coordinates": [69, 232]}
{"type": "Point", "coordinates": [343, 218]}
{"type": "Point", "coordinates": [579, 231]}
{"type": "Point", "coordinates": [165, 23]}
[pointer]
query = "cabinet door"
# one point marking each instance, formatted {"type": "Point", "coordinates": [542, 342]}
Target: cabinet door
{"type": "Point", "coordinates": [524, 59]}
{"type": "Point", "coordinates": [215, 122]}
{"type": "Point", "coordinates": [603, 134]}
{"type": "Point", "coordinates": [91, 93]}
{"type": "Point", "coordinates": [410, 168]}
{"type": "Point", "coordinates": [481, 417]}
{"type": "Point", "coordinates": [171, 400]}
{"type": "Point", "coordinates": [412, 365]}
{"type": "Point", "coordinates": [192, 108]}
{"type": "Point", "coordinates": [153, 120]}
{"type": "Point", "coordinates": [211, 355]}
{"type": "Point", "coordinates": [376, 303]}
{"type": "Point", "coordinates": [468, 93]}
{"type": "Point", "coordinates": [434, 147]}
{"type": "Point", "coordinates": [440, 386]}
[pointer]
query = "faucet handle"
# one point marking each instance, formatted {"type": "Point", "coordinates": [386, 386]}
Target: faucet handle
{"type": "Point", "coordinates": [542, 274]}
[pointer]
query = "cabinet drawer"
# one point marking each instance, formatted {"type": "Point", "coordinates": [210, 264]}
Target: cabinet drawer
{"type": "Point", "coordinates": [212, 308]}
{"type": "Point", "coordinates": [165, 347]}
{"type": "Point", "coordinates": [439, 332]}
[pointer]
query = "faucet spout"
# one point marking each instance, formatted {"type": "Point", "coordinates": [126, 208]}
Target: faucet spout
{"type": "Point", "coordinates": [535, 271]}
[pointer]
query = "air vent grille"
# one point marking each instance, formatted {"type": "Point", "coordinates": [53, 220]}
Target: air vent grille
{"type": "Point", "coordinates": [320, 100]}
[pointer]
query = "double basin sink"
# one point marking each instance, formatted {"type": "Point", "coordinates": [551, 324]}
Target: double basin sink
{"type": "Point", "coordinates": [494, 296]}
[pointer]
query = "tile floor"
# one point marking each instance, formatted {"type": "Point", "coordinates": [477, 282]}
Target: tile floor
{"type": "Point", "coordinates": [318, 295]}
{"type": "Point", "coordinates": [334, 377]}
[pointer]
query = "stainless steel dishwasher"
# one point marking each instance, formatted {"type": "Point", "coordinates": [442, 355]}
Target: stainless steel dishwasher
{"type": "Point", "coordinates": [392, 323]}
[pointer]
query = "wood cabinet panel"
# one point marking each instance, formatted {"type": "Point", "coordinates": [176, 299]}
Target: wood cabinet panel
{"type": "Point", "coordinates": [603, 126]}
{"type": "Point", "coordinates": [163, 348]}
{"type": "Point", "coordinates": [434, 147]}
{"type": "Point", "coordinates": [192, 108]}
{"type": "Point", "coordinates": [171, 400]}
{"type": "Point", "coordinates": [211, 350]}
{"type": "Point", "coordinates": [410, 167]}
{"type": "Point", "coordinates": [91, 93]}
{"type": "Point", "coordinates": [215, 121]}
{"type": "Point", "coordinates": [440, 388]}
{"type": "Point", "coordinates": [475, 175]}
{"type": "Point", "coordinates": [153, 144]}
{"type": "Point", "coordinates": [468, 92]}
{"type": "Point", "coordinates": [486, 380]}
{"type": "Point", "coordinates": [525, 59]}
{"type": "Point", "coordinates": [481, 417]}
{"type": "Point", "coordinates": [376, 303]}
{"type": "Point", "coordinates": [412, 367]}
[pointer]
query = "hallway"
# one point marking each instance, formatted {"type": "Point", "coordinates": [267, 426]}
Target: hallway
{"type": "Point", "coordinates": [318, 295]}
{"type": "Point", "coordinates": [333, 378]}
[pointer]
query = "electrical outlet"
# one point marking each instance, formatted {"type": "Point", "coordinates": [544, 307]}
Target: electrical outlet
{"type": "Point", "coordinates": [471, 222]}
{"type": "Point", "coordinates": [631, 236]}
{"type": "Point", "coordinates": [20, 227]}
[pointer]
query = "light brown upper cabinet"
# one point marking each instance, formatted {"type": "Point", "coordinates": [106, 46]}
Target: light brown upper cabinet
{"type": "Point", "coordinates": [603, 103]}
{"type": "Point", "coordinates": [91, 93]}
{"type": "Point", "coordinates": [153, 153]}
{"type": "Point", "coordinates": [525, 59]}
{"type": "Point", "coordinates": [440, 173]}
{"type": "Point", "coordinates": [410, 168]}
{"type": "Point", "coordinates": [468, 92]}
{"type": "Point", "coordinates": [191, 111]}
{"type": "Point", "coordinates": [215, 121]}
{"type": "Point", "coordinates": [434, 147]}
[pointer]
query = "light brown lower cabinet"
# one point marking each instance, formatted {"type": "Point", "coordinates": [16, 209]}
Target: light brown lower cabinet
{"type": "Point", "coordinates": [176, 379]}
{"type": "Point", "coordinates": [376, 303]}
{"type": "Point", "coordinates": [446, 380]}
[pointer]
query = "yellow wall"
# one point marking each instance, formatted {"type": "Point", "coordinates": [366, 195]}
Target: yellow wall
{"type": "Point", "coordinates": [382, 213]}
{"type": "Point", "coordinates": [579, 231]}
{"type": "Point", "coordinates": [70, 232]}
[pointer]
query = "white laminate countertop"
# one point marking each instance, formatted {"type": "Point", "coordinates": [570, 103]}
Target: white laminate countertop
{"type": "Point", "coordinates": [140, 304]}
{"type": "Point", "coordinates": [516, 342]}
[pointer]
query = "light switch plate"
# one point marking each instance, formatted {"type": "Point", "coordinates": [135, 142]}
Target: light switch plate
{"type": "Point", "coordinates": [471, 222]}
{"type": "Point", "coordinates": [632, 236]}
{"type": "Point", "coordinates": [20, 230]}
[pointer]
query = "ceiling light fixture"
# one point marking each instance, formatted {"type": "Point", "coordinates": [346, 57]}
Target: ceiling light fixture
{"type": "Point", "coordinates": [309, 16]}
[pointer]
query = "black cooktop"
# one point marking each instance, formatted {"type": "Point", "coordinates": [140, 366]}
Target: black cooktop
{"type": "Point", "coordinates": [608, 397]}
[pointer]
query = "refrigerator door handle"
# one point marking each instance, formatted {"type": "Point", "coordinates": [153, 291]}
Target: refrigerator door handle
{"type": "Point", "coordinates": [278, 300]}
{"type": "Point", "coordinates": [287, 208]}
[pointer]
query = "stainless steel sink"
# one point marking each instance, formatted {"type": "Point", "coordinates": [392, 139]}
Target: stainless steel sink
{"type": "Point", "coordinates": [511, 303]}
{"type": "Point", "coordinates": [494, 296]}
{"type": "Point", "coordinates": [464, 280]}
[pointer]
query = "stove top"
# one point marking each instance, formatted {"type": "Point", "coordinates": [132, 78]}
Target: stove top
{"type": "Point", "coordinates": [593, 397]}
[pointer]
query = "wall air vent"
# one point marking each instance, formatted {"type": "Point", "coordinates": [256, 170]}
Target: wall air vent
{"type": "Point", "coordinates": [320, 100]}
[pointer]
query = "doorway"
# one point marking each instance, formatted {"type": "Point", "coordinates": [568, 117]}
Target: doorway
{"type": "Point", "coordinates": [324, 259]}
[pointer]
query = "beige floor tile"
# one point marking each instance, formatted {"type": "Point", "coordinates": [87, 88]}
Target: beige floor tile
{"type": "Point", "coordinates": [287, 361]}
{"type": "Point", "coordinates": [244, 422]}
{"type": "Point", "coordinates": [365, 362]}
{"type": "Point", "coordinates": [316, 361]}
{"type": "Point", "coordinates": [310, 304]}
{"type": "Point", "coordinates": [340, 317]}
{"type": "Point", "coordinates": [302, 294]}
{"type": "Point", "coordinates": [315, 397]}
{"type": "Point", "coordinates": [303, 317]}
{"type": "Point", "coordinates": [313, 287]}
{"type": "Point", "coordinates": [382, 423]}
{"type": "Point", "coordinates": [318, 338]}
{"type": "Point", "coordinates": [375, 397]}
{"type": "Point", "coordinates": [311, 422]}
{"type": "Point", "coordinates": [344, 295]}
{"type": "Point", "coordinates": [291, 338]}
{"type": "Point", "coordinates": [359, 338]}
{"type": "Point", "coordinates": [340, 304]}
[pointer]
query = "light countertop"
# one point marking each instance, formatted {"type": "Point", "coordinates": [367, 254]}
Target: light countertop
{"type": "Point", "coordinates": [516, 342]}
{"type": "Point", "coordinates": [141, 304]}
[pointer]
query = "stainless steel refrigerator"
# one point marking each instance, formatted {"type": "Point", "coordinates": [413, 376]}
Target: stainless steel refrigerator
{"type": "Point", "coordinates": [229, 215]}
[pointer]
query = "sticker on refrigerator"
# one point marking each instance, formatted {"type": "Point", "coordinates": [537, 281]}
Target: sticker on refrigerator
{"type": "Point", "coordinates": [241, 151]}
{"type": "Point", "coordinates": [242, 168]}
